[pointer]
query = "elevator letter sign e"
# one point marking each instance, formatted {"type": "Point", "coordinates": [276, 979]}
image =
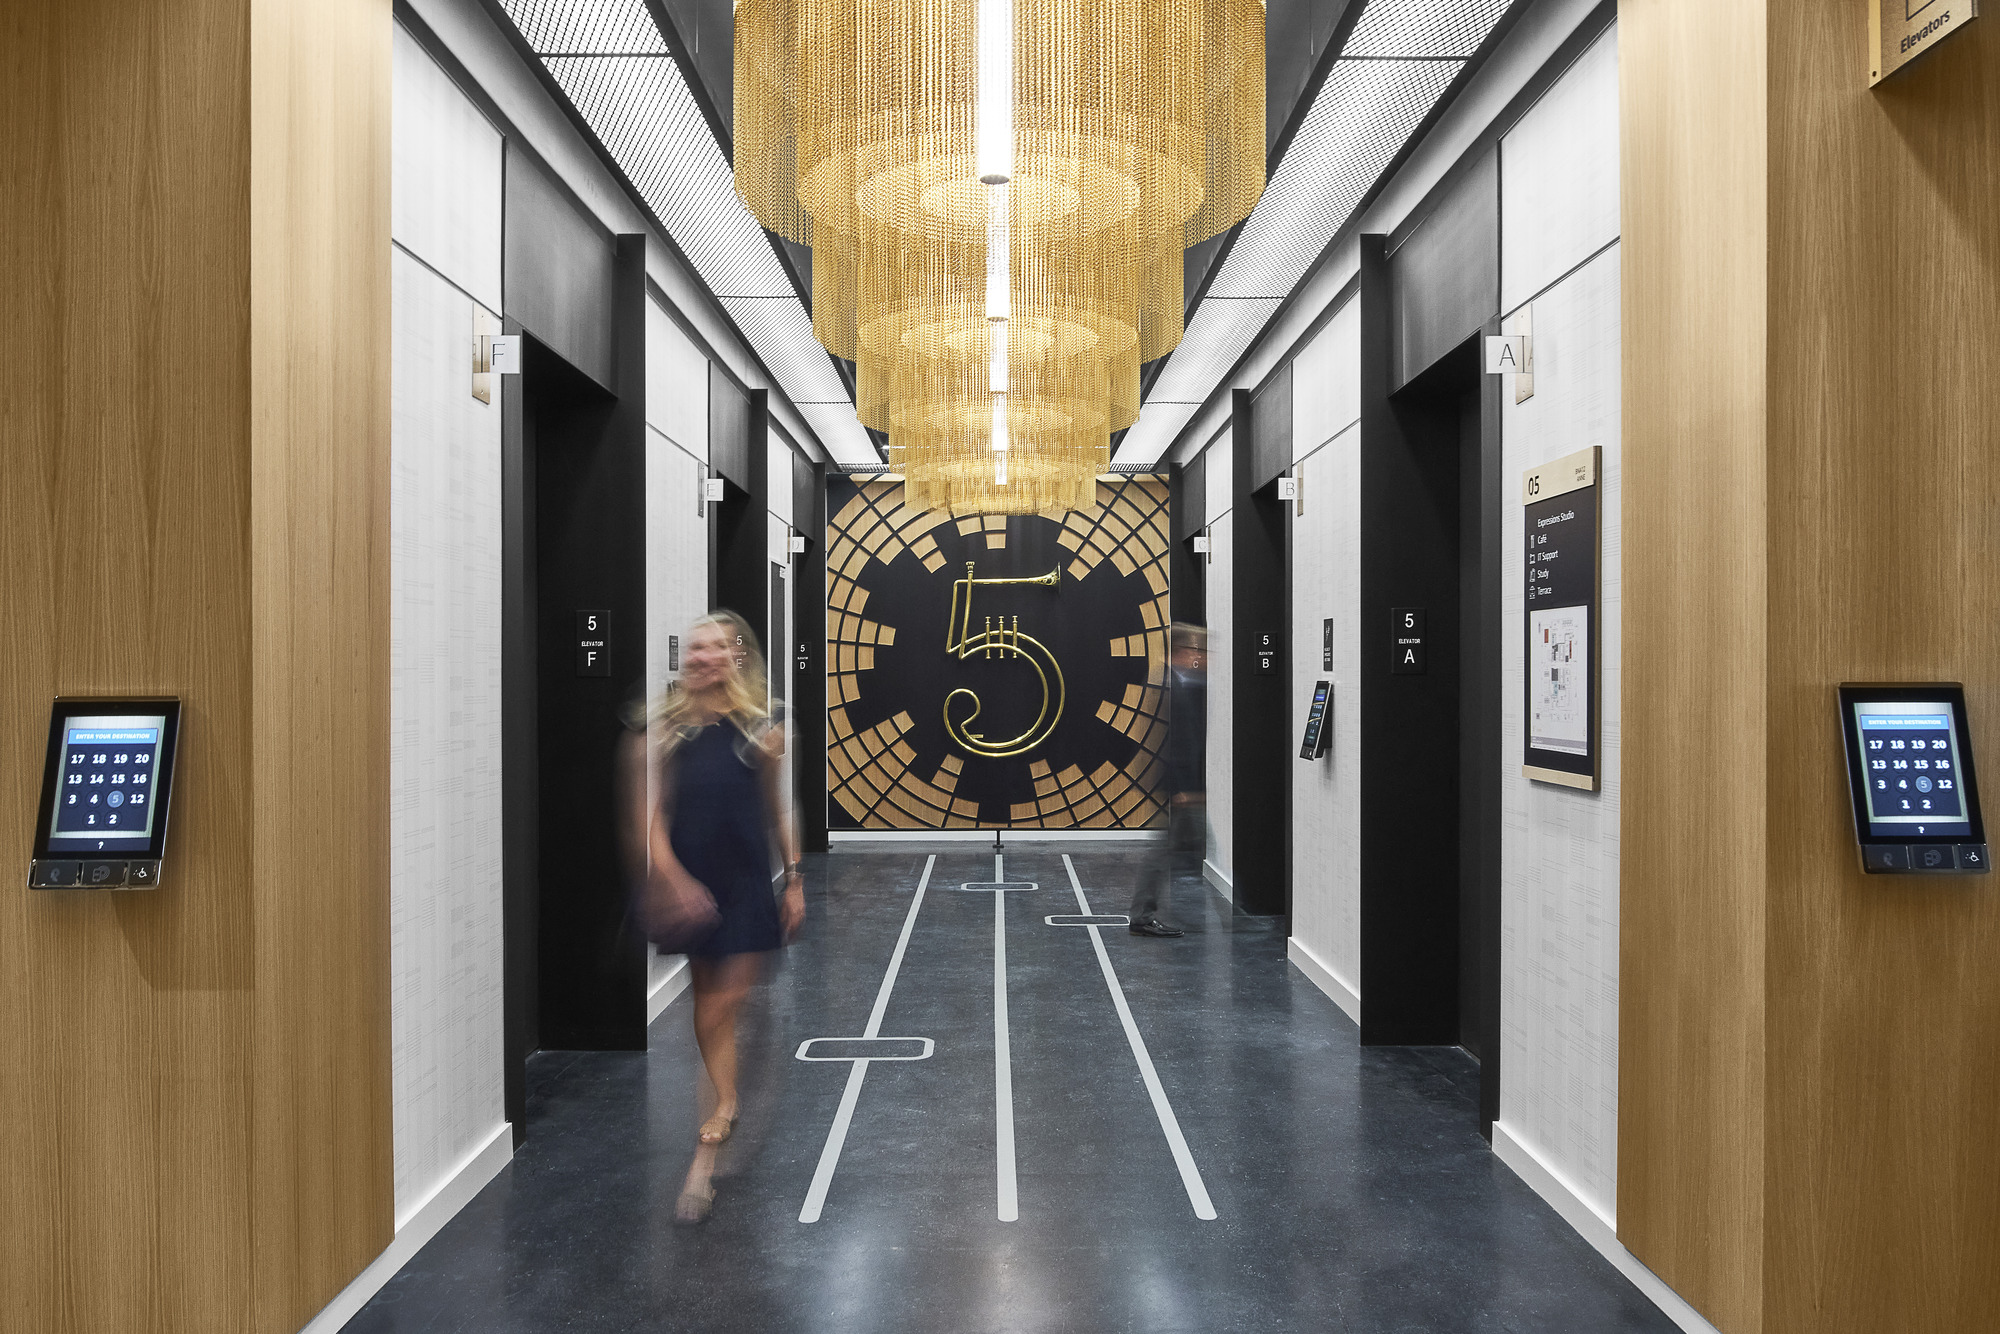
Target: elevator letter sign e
{"type": "Point", "coordinates": [593, 643]}
{"type": "Point", "coordinates": [1407, 639]}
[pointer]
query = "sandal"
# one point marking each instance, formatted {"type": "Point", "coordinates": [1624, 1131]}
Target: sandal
{"type": "Point", "coordinates": [717, 1128]}
{"type": "Point", "coordinates": [694, 1206]}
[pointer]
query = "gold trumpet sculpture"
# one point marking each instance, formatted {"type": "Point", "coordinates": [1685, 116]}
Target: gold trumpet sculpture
{"type": "Point", "coordinates": [1005, 641]}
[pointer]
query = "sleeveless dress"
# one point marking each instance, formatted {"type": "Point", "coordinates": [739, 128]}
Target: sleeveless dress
{"type": "Point", "coordinates": [718, 833]}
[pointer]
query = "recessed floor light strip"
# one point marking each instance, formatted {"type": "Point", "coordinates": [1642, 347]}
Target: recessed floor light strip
{"type": "Point", "coordinates": [836, 1135]}
{"type": "Point", "coordinates": [1170, 1125]}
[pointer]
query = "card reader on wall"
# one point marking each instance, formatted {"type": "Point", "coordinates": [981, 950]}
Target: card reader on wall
{"type": "Point", "coordinates": [1319, 723]}
{"type": "Point", "coordinates": [1911, 776]}
{"type": "Point", "coordinates": [107, 788]}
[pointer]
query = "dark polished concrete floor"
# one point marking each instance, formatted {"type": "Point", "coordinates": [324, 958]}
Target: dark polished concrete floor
{"type": "Point", "coordinates": [1352, 1189]}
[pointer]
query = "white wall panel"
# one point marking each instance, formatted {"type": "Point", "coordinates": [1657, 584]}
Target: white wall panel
{"type": "Point", "coordinates": [1326, 382]}
{"type": "Point", "coordinates": [1559, 177]}
{"type": "Point", "coordinates": [676, 552]}
{"type": "Point", "coordinates": [1559, 846]}
{"type": "Point", "coordinates": [676, 565]}
{"type": "Point", "coordinates": [445, 200]}
{"type": "Point", "coordinates": [444, 818]}
{"type": "Point", "coordinates": [676, 383]}
{"type": "Point", "coordinates": [1326, 793]}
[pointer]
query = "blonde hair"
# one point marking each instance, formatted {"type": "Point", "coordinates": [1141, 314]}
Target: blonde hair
{"type": "Point", "coordinates": [744, 691]}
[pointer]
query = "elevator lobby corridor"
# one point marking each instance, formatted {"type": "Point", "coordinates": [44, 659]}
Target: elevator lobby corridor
{"type": "Point", "coordinates": [1350, 1188]}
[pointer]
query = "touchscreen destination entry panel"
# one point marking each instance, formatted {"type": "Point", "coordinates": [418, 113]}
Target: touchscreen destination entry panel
{"type": "Point", "coordinates": [106, 793]}
{"type": "Point", "coordinates": [1319, 728]}
{"type": "Point", "coordinates": [1910, 773]}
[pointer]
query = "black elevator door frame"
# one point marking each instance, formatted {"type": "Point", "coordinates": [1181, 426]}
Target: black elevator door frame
{"type": "Point", "coordinates": [1430, 818]}
{"type": "Point", "coordinates": [573, 539]}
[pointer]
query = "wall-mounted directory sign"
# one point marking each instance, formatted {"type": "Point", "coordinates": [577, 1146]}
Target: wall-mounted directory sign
{"type": "Point", "coordinates": [1901, 30]}
{"type": "Point", "coordinates": [106, 788]}
{"type": "Point", "coordinates": [1910, 773]}
{"type": "Point", "coordinates": [1559, 617]}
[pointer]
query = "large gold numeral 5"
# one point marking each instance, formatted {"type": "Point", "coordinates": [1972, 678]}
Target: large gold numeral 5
{"type": "Point", "coordinates": [1007, 642]}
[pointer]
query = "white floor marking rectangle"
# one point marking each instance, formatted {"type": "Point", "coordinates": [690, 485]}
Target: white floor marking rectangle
{"type": "Point", "coordinates": [1008, 1201]}
{"type": "Point", "coordinates": [836, 1135]}
{"type": "Point", "coordinates": [1197, 1193]}
{"type": "Point", "coordinates": [913, 1049]}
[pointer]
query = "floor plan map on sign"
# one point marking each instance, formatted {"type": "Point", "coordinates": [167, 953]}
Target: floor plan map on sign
{"type": "Point", "coordinates": [1559, 692]}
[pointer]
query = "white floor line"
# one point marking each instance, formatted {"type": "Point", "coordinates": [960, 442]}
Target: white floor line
{"type": "Point", "coordinates": [1008, 1201]}
{"type": "Point", "coordinates": [836, 1135]}
{"type": "Point", "coordinates": [1197, 1193]}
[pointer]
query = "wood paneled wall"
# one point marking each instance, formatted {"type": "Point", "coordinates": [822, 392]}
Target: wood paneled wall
{"type": "Point", "coordinates": [1810, 1057]}
{"type": "Point", "coordinates": [194, 418]}
{"type": "Point", "coordinates": [1692, 829]}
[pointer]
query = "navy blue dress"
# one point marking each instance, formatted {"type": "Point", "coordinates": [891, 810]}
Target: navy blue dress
{"type": "Point", "coordinates": [718, 833]}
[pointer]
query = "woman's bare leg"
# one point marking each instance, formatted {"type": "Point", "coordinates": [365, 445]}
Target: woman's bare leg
{"type": "Point", "coordinates": [719, 988]}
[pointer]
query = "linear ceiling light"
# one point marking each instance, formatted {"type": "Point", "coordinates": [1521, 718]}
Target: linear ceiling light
{"type": "Point", "coordinates": [1401, 58]}
{"type": "Point", "coordinates": [609, 59]}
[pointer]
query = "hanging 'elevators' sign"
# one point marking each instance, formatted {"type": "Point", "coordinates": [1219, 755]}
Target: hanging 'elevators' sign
{"type": "Point", "coordinates": [1559, 615]}
{"type": "Point", "coordinates": [1901, 30]}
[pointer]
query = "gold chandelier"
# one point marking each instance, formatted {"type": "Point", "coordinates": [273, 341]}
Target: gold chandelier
{"type": "Point", "coordinates": [997, 194]}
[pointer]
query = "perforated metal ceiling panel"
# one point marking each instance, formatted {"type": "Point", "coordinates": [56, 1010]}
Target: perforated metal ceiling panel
{"type": "Point", "coordinates": [595, 27]}
{"type": "Point", "coordinates": [1400, 60]}
{"type": "Point", "coordinates": [1422, 29]}
{"type": "Point", "coordinates": [610, 60]}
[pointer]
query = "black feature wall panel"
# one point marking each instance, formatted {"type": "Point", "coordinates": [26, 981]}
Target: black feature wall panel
{"type": "Point", "coordinates": [1191, 497]}
{"type": "Point", "coordinates": [1058, 721]}
{"type": "Point", "coordinates": [1187, 585]}
{"type": "Point", "coordinates": [808, 651]}
{"type": "Point", "coordinates": [1260, 767]}
{"type": "Point", "coordinates": [740, 525]}
{"type": "Point", "coordinates": [1271, 428]}
{"type": "Point", "coordinates": [559, 271]}
{"type": "Point", "coordinates": [590, 482]}
{"type": "Point", "coordinates": [729, 428]}
{"type": "Point", "coordinates": [1410, 497]}
{"type": "Point", "coordinates": [1445, 279]}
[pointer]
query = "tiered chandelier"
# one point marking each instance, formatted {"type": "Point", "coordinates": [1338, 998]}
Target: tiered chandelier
{"type": "Point", "coordinates": [997, 194]}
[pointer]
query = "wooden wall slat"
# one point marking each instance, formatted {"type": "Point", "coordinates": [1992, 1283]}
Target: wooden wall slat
{"type": "Point", "coordinates": [1883, 1183]}
{"type": "Point", "coordinates": [1692, 805]}
{"type": "Point", "coordinates": [322, 1181]}
{"type": "Point", "coordinates": [162, 1052]}
{"type": "Point", "coordinates": [1810, 1057]}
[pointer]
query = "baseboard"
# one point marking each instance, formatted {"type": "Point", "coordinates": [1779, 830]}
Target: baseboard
{"type": "Point", "coordinates": [417, 1227]}
{"type": "Point", "coordinates": [1320, 973]}
{"type": "Point", "coordinates": [1213, 874]}
{"type": "Point", "coordinates": [1600, 1231]}
{"type": "Point", "coordinates": [1008, 837]}
{"type": "Point", "coordinates": [670, 979]}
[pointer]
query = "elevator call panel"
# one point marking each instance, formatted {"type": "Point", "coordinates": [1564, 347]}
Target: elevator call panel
{"type": "Point", "coordinates": [1319, 728]}
{"type": "Point", "coordinates": [107, 789]}
{"type": "Point", "coordinates": [1910, 773]}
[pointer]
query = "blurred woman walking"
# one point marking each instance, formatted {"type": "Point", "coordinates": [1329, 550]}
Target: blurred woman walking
{"type": "Point", "coordinates": [716, 824]}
